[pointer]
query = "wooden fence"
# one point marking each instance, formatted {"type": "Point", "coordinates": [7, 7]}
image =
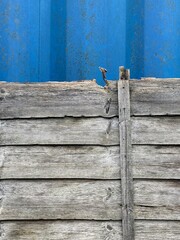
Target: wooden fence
{"type": "Point", "coordinates": [66, 172]}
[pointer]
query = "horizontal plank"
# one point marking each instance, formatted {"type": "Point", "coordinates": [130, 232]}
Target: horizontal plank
{"type": "Point", "coordinates": [157, 200]}
{"type": "Point", "coordinates": [91, 131]}
{"type": "Point", "coordinates": [60, 99]}
{"type": "Point", "coordinates": [87, 230]}
{"type": "Point", "coordinates": [91, 162]}
{"type": "Point", "coordinates": [80, 199]}
{"type": "Point", "coordinates": [155, 97]}
{"type": "Point", "coordinates": [157, 230]}
{"type": "Point", "coordinates": [156, 130]}
{"type": "Point", "coordinates": [159, 162]}
{"type": "Point", "coordinates": [86, 98]}
{"type": "Point", "coordinates": [59, 162]}
{"type": "Point", "coordinates": [155, 82]}
{"type": "Point", "coordinates": [80, 131]}
{"type": "Point", "coordinates": [99, 200]}
{"type": "Point", "coordinates": [66, 230]}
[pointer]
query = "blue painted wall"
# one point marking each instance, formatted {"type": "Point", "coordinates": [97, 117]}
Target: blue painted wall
{"type": "Point", "coordinates": [67, 40]}
{"type": "Point", "coordinates": [153, 38]}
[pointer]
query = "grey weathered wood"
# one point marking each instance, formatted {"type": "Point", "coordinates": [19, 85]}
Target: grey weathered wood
{"type": "Point", "coordinates": [59, 162]}
{"type": "Point", "coordinates": [157, 230]}
{"type": "Point", "coordinates": [85, 199]}
{"type": "Point", "coordinates": [61, 230]}
{"type": "Point", "coordinates": [100, 131]}
{"type": "Point", "coordinates": [66, 199]}
{"type": "Point", "coordinates": [84, 98]}
{"type": "Point", "coordinates": [88, 199]}
{"type": "Point", "coordinates": [148, 97]}
{"type": "Point", "coordinates": [155, 97]}
{"type": "Point", "coordinates": [156, 130]}
{"type": "Point", "coordinates": [96, 131]}
{"type": "Point", "coordinates": [125, 158]}
{"type": "Point", "coordinates": [87, 230]}
{"type": "Point", "coordinates": [161, 162]}
{"type": "Point", "coordinates": [157, 200]}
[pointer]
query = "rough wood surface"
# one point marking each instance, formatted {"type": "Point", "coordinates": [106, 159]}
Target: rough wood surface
{"type": "Point", "coordinates": [156, 130]}
{"type": "Point", "coordinates": [159, 162]}
{"type": "Point", "coordinates": [125, 159]}
{"type": "Point", "coordinates": [72, 199]}
{"type": "Point", "coordinates": [61, 230]}
{"type": "Point", "coordinates": [87, 230]}
{"type": "Point", "coordinates": [85, 199]}
{"type": "Point", "coordinates": [57, 100]}
{"type": "Point", "coordinates": [157, 230]}
{"type": "Point", "coordinates": [155, 97]}
{"type": "Point", "coordinates": [81, 131]}
{"type": "Point", "coordinates": [92, 131]}
{"type": "Point", "coordinates": [66, 199]}
{"type": "Point", "coordinates": [148, 97]}
{"type": "Point", "coordinates": [157, 200]}
{"type": "Point", "coordinates": [59, 162]}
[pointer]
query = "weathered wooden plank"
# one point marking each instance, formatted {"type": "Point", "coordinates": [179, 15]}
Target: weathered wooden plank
{"type": "Point", "coordinates": [157, 200]}
{"type": "Point", "coordinates": [66, 199]}
{"type": "Point", "coordinates": [87, 230]}
{"type": "Point", "coordinates": [59, 162]}
{"type": "Point", "coordinates": [156, 130]}
{"type": "Point", "coordinates": [148, 97]}
{"type": "Point", "coordinates": [73, 162]}
{"type": "Point", "coordinates": [158, 81]}
{"type": "Point", "coordinates": [157, 230]}
{"type": "Point", "coordinates": [125, 158]}
{"type": "Point", "coordinates": [100, 131]}
{"type": "Point", "coordinates": [57, 100]}
{"type": "Point", "coordinates": [85, 199]}
{"type": "Point", "coordinates": [155, 97]}
{"type": "Point", "coordinates": [161, 162]}
{"type": "Point", "coordinates": [65, 230]}
{"type": "Point", "coordinates": [96, 131]}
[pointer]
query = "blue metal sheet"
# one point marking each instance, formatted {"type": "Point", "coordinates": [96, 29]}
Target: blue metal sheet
{"type": "Point", "coordinates": [19, 29]}
{"type": "Point", "coordinates": [162, 38]}
{"type": "Point", "coordinates": [153, 38]}
{"type": "Point", "coordinates": [52, 45]}
{"type": "Point", "coordinates": [51, 40]}
{"type": "Point", "coordinates": [96, 34]}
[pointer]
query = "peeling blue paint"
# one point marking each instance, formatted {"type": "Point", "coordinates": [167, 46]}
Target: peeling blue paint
{"type": "Point", "coordinates": [67, 40]}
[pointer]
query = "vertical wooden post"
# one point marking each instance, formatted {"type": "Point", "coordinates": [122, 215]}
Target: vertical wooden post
{"type": "Point", "coordinates": [125, 158]}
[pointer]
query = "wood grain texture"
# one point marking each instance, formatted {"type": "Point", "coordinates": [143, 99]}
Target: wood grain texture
{"type": "Point", "coordinates": [92, 131]}
{"type": "Point", "coordinates": [85, 199]}
{"type": "Point", "coordinates": [87, 230]}
{"type": "Point", "coordinates": [159, 162]}
{"type": "Point", "coordinates": [125, 158]}
{"type": "Point", "coordinates": [57, 230]}
{"type": "Point", "coordinates": [86, 98]}
{"type": "Point", "coordinates": [156, 130]}
{"type": "Point", "coordinates": [59, 162]}
{"type": "Point", "coordinates": [155, 97]}
{"type": "Point", "coordinates": [66, 199]}
{"type": "Point", "coordinates": [157, 230]}
{"type": "Point", "coordinates": [76, 131]}
{"type": "Point", "coordinates": [60, 99]}
{"type": "Point", "coordinates": [157, 200]}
